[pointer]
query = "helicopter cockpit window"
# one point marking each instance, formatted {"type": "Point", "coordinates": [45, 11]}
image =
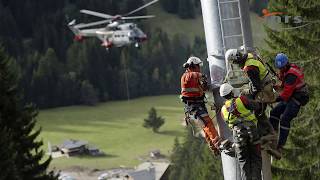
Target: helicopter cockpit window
{"type": "Point", "coordinates": [132, 26]}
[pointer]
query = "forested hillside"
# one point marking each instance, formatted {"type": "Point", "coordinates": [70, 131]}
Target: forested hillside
{"type": "Point", "coordinates": [56, 71]}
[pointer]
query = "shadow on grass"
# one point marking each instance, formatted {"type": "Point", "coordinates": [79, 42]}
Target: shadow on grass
{"type": "Point", "coordinates": [97, 157]}
{"type": "Point", "coordinates": [60, 128]}
{"type": "Point", "coordinates": [171, 133]}
{"type": "Point", "coordinates": [66, 130]}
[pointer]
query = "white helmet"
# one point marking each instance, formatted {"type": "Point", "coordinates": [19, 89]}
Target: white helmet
{"type": "Point", "coordinates": [194, 60]}
{"type": "Point", "coordinates": [232, 55]}
{"type": "Point", "coordinates": [225, 89]}
{"type": "Point", "coordinates": [242, 48]}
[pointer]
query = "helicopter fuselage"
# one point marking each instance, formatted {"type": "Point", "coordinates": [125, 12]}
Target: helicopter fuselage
{"type": "Point", "coordinates": [117, 32]}
{"type": "Point", "coordinates": [118, 36]}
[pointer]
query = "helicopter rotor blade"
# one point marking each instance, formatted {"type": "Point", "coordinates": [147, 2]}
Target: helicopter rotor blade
{"type": "Point", "coordinates": [138, 17]}
{"type": "Point", "coordinates": [79, 26]}
{"type": "Point", "coordinates": [97, 14]}
{"type": "Point", "coordinates": [142, 7]}
{"type": "Point", "coordinates": [73, 22]}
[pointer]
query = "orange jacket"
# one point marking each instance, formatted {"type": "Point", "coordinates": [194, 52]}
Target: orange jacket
{"type": "Point", "coordinates": [191, 84]}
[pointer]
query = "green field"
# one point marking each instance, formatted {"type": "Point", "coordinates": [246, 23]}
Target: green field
{"type": "Point", "coordinates": [114, 127]}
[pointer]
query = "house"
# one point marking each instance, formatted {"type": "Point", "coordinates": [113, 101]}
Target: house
{"type": "Point", "coordinates": [73, 147]}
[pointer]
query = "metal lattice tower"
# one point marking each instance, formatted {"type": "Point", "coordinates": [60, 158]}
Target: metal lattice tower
{"type": "Point", "coordinates": [236, 31]}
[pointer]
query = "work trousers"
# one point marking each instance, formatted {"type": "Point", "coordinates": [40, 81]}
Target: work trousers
{"type": "Point", "coordinates": [199, 113]}
{"type": "Point", "coordinates": [283, 112]}
{"type": "Point", "coordinates": [248, 151]}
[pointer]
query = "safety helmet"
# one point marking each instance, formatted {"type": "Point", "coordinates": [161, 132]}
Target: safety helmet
{"type": "Point", "coordinates": [242, 48]}
{"type": "Point", "coordinates": [225, 89]}
{"type": "Point", "coordinates": [233, 55]}
{"type": "Point", "coordinates": [281, 60]}
{"type": "Point", "coordinates": [193, 61]}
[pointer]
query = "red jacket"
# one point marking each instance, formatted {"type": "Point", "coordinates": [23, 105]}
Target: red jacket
{"type": "Point", "coordinates": [190, 84]}
{"type": "Point", "coordinates": [292, 80]}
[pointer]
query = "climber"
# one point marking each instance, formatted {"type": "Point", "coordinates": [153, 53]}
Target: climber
{"type": "Point", "coordinates": [261, 87]}
{"type": "Point", "coordinates": [294, 94]}
{"type": "Point", "coordinates": [193, 86]}
{"type": "Point", "coordinates": [237, 113]}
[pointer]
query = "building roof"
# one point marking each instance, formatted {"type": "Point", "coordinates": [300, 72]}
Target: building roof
{"type": "Point", "coordinates": [143, 174]}
{"type": "Point", "coordinates": [71, 144]}
{"type": "Point", "coordinates": [160, 168]}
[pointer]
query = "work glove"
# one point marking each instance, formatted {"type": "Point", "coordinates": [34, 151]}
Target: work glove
{"type": "Point", "coordinates": [245, 91]}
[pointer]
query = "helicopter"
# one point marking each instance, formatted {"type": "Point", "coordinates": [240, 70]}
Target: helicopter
{"type": "Point", "coordinates": [116, 33]}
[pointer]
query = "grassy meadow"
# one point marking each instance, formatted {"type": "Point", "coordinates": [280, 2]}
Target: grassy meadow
{"type": "Point", "coordinates": [114, 127]}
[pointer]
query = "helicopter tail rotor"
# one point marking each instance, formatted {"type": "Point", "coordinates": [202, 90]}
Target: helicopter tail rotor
{"type": "Point", "coordinates": [72, 27]}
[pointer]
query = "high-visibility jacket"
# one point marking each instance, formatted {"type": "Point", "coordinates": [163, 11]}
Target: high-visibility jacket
{"type": "Point", "coordinates": [190, 84]}
{"type": "Point", "coordinates": [253, 62]}
{"type": "Point", "coordinates": [234, 111]}
{"type": "Point", "coordinates": [288, 90]}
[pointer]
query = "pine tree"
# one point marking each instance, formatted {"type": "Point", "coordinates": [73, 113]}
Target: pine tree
{"type": "Point", "coordinates": [176, 158]}
{"type": "Point", "coordinates": [45, 80]}
{"type": "Point", "coordinates": [300, 41]}
{"type": "Point", "coordinates": [88, 95]}
{"type": "Point", "coordinates": [7, 165]}
{"type": "Point", "coordinates": [153, 121]}
{"type": "Point", "coordinates": [23, 155]}
{"type": "Point", "coordinates": [193, 160]}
